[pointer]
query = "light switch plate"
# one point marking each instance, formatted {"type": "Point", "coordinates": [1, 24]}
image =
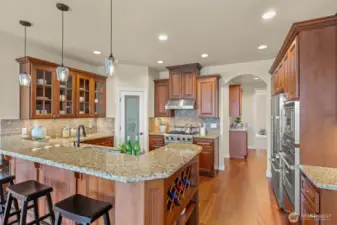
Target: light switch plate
{"type": "Point", "coordinates": [213, 125]}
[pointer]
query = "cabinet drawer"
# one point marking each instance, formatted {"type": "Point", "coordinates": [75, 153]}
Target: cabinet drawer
{"type": "Point", "coordinates": [306, 209]}
{"type": "Point", "coordinates": [206, 144]}
{"type": "Point", "coordinates": [156, 139]}
{"type": "Point", "coordinates": [310, 192]}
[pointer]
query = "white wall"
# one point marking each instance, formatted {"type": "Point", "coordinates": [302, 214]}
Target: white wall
{"type": "Point", "coordinates": [228, 72]}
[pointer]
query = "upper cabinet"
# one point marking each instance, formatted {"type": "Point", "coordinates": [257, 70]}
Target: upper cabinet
{"type": "Point", "coordinates": [182, 81]}
{"type": "Point", "coordinates": [208, 96]}
{"type": "Point", "coordinates": [285, 75]}
{"type": "Point", "coordinates": [83, 95]}
{"type": "Point", "coordinates": [161, 96]}
{"type": "Point", "coordinates": [235, 100]}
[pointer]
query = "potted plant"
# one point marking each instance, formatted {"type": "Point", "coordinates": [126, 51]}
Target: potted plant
{"type": "Point", "coordinates": [162, 126]}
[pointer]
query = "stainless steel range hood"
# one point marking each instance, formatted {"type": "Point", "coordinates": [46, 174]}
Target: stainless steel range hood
{"type": "Point", "coordinates": [180, 104]}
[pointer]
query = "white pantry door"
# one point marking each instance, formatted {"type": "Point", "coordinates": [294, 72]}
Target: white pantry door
{"type": "Point", "coordinates": [132, 116]}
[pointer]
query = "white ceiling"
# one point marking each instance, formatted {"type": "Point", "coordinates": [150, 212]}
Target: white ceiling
{"type": "Point", "coordinates": [228, 30]}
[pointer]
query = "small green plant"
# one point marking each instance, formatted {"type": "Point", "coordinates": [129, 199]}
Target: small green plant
{"type": "Point", "coordinates": [238, 120]}
{"type": "Point", "coordinates": [161, 122]}
{"type": "Point", "coordinates": [122, 148]}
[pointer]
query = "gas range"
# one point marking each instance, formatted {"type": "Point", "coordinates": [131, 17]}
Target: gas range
{"type": "Point", "coordinates": [178, 136]}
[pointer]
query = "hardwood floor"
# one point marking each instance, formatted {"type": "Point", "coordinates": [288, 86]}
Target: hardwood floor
{"type": "Point", "coordinates": [240, 195]}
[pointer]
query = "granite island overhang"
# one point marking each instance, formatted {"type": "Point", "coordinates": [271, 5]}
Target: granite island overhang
{"type": "Point", "coordinates": [153, 188]}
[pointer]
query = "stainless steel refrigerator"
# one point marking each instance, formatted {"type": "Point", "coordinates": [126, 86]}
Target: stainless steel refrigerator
{"type": "Point", "coordinates": [277, 123]}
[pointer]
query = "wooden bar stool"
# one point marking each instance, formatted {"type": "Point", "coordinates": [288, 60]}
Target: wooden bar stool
{"type": "Point", "coordinates": [25, 192]}
{"type": "Point", "coordinates": [8, 179]}
{"type": "Point", "coordinates": [82, 210]}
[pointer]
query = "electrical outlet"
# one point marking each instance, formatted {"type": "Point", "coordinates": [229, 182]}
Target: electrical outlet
{"type": "Point", "coordinates": [213, 125]}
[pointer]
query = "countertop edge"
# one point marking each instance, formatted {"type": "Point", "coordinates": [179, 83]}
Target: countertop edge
{"type": "Point", "coordinates": [331, 187]}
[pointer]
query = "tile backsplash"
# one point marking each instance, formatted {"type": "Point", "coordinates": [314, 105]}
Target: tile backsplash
{"type": "Point", "coordinates": [54, 127]}
{"type": "Point", "coordinates": [183, 117]}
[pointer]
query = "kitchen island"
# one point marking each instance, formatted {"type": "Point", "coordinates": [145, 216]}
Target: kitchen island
{"type": "Point", "coordinates": [137, 186]}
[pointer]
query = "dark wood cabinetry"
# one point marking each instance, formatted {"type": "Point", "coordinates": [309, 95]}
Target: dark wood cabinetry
{"type": "Point", "coordinates": [208, 158]}
{"type": "Point", "coordinates": [161, 96]}
{"type": "Point", "coordinates": [83, 95]}
{"type": "Point", "coordinates": [238, 144]}
{"type": "Point", "coordinates": [235, 100]}
{"type": "Point", "coordinates": [156, 141]}
{"type": "Point", "coordinates": [182, 81]}
{"type": "Point", "coordinates": [208, 96]}
{"type": "Point", "coordinates": [106, 142]}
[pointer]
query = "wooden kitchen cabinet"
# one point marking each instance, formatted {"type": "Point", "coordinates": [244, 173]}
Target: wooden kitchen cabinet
{"type": "Point", "coordinates": [106, 142]}
{"type": "Point", "coordinates": [48, 98]}
{"type": "Point", "coordinates": [182, 81]}
{"type": "Point", "coordinates": [156, 141]}
{"type": "Point", "coordinates": [238, 144]}
{"type": "Point", "coordinates": [208, 158]}
{"type": "Point", "coordinates": [161, 96]}
{"type": "Point", "coordinates": [235, 100]}
{"type": "Point", "coordinates": [208, 96]}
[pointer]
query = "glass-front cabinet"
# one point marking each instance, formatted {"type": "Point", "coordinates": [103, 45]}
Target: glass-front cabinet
{"type": "Point", "coordinates": [43, 85]}
{"type": "Point", "coordinates": [99, 97]}
{"type": "Point", "coordinates": [83, 95]}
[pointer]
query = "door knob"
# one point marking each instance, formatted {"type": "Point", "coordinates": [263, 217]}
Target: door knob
{"type": "Point", "coordinates": [141, 133]}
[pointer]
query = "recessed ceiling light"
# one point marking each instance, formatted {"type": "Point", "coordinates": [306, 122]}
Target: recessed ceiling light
{"type": "Point", "coordinates": [160, 62]}
{"type": "Point", "coordinates": [268, 15]}
{"type": "Point", "coordinates": [163, 37]}
{"type": "Point", "coordinates": [204, 55]}
{"type": "Point", "coordinates": [97, 52]}
{"type": "Point", "coordinates": [256, 78]}
{"type": "Point", "coordinates": [261, 47]}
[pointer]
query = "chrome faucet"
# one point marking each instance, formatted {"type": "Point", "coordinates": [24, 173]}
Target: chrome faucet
{"type": "Point", "coordinates": [79, 135]}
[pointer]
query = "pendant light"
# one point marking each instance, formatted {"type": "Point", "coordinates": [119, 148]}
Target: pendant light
{"type": "Point", "coordinates": [62, 72]}
{"type": "Point", "coordinates": [24, 77]}
{"type": "Point", "coordinates": [110, 62]}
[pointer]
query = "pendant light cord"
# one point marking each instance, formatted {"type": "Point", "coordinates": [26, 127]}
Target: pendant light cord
{"type": "Point", "coordinates": [111, 28]}
{"type": "Point", "coordinates": [62, 35]}
{"type": "Point", "coordinates": [25, 45]}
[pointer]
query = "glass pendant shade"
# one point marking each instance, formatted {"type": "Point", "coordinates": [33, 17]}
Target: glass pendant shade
{"type": "Point", "coordinates": [62, 73]}
{"type": "Point", "coordinates": [110, 66]}
{"type": "Point", "coordinates": [25, 79]}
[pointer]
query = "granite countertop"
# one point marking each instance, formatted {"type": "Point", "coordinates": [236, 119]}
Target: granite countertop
{"type": "Point", "coordinates": [321, 177]}
{"type": "Point", "coordinates": [238, 129]}
{"type": "Point", "coordinates": [112, 165]}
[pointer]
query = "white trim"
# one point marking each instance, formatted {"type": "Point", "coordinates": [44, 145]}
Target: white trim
{"type": "Point", "coordinates": [251, 147]}
{"type": "Point", "coordinates": [227, 156]}
{"type": "Point", "coordinates": [222, 167]}
{"type": "Point", "coordinates": [268, 174]}
{"type": "Point", "coordinates": [118, 116]}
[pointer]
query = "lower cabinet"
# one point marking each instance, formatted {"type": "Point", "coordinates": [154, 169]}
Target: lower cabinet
{"type": "Point", "coordinates": [208, 158]}
{"type": "Point", "coordinates": [310, 202]}
{"type": "Point", "coordinates": [156, 141]}
{"type": "Point", "coordinates": [106, 142]}
{"type": "Point", "coordinates": [238, 144]}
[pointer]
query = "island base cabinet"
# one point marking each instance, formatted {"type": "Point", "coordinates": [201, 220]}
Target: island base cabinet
{"type": "Point", "coordinates": [140, 203]}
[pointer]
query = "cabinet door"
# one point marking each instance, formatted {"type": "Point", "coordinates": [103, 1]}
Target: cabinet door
{"type": "Point", "coordinates": [307, 210]}
{"type": "Point", "coordinates": [161, 96]}
{"type": "Point", "coordinates": [234, 100]}
{"type": "Point", "coordinates": [207, 95]}
{"type": "Point", "coordinates": [65, 93]}
{"type": "Point", "coordinates": [281, 78]}
{"type": "Point", "coordinates": [175, 85]}
{"type": "Point", "coordinates": [238, 144]}
{"type": "Point", "coordinates": [84, 96]}
{"type": "Point", "coordinates": [188, 84]}
{"type": "Point", "coordinates": [99, 97]}
{"type": "Point", "coordinates": [286, 74]}
{"type": "Point", "coordinates": [293, 72]}
{"type": "Point", "coordinates": [43, 97]}
{"type": "Point", "coordinates": [156, 141]}
{"type": "Point", "coordinates": [206, 161]}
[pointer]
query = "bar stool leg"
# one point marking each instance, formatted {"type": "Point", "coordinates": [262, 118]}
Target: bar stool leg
{"type": "Point", "coordinates": [50, 208]}
{"type": "Point", "coordinates": [8, 209]}
{"type": "Point", "coordinates": [106, 218]}
{"type": "Point", "coordinates": [16, 206]}
{"type": "Point", "coordinates": [36, 211]}
{"type": "Point", "coordinates": [58, 220]}
{"type": "Point", "coordinates": [2, 200]}
{"type": "Point", "coordinates": [23, 213]}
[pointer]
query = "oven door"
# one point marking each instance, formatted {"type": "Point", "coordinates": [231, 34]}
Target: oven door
{"type": "Point", "coordinates": [289, 129]}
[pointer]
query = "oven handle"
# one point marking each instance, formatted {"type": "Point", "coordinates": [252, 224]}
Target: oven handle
{"type": "Point", "coordinates": [285, 178]}
{"type": "Point", "coordinates": [290, 167]}
{"type": "Point", "coordinates": [272, 165]}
